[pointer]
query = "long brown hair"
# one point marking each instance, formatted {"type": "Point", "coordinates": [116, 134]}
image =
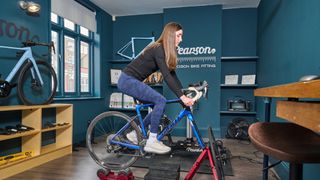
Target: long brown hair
{"type": "Point", "coordinates": [167, 39]}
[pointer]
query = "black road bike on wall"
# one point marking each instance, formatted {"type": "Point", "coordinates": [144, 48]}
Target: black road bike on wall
{"type": "Point", "coordinates": [37, 80]}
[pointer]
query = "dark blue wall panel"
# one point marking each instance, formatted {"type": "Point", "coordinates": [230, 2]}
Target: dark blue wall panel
{"type": "Point", "coordinates": [239, 32]}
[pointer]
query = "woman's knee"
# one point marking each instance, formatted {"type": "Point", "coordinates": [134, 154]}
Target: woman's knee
{"type": "Point", "coordinates": [161, 102]}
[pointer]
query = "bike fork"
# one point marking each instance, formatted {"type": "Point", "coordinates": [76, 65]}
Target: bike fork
{"type": "Point", "coordinates": [35, 72]}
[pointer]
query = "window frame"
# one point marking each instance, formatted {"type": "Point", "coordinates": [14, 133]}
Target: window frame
{"type": "Point", "coordinates": [78, 37]}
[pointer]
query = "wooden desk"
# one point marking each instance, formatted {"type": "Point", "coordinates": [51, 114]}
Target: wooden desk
{"type": "Point", "coordinates": [295, 109]}
{"type": "Point", "coordinates": [304, 113]}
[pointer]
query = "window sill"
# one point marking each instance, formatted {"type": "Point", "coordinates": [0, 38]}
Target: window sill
{"type": "Point", "coordinates": [75, 98]}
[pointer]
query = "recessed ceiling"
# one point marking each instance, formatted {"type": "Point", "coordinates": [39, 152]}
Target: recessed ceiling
{"type": "Point", "coordinates": [139, 7]}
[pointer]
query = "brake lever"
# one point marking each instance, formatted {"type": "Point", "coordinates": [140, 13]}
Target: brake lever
{"type": "Point", "coordinates": [205, 94]}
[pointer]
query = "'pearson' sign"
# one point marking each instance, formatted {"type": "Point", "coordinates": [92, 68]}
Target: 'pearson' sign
{"type": "Point", "coordinates": [196, 57]}
{"type": "Point", "coordinates": [200, 50]}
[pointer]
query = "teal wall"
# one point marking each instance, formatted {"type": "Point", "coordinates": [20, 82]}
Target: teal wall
{"type": "Point", "coordinates": [13, 20]}
{"type": "Point", "coordinates": [288, 46]}
{"type": "Point", "coordinates": [239, 32]}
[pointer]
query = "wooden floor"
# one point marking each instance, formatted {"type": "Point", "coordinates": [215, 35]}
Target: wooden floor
{"type": "Point", "coordinates": [246, 164]}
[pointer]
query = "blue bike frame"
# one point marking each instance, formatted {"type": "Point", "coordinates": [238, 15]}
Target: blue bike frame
{"type": "Point", "coordinates": [27, 56]}
{"type": "Point", "coordinates": [183, 113]}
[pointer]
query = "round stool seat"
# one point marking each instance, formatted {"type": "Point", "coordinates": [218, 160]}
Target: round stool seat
{"type": "Point", "coordinates": [286, 141]}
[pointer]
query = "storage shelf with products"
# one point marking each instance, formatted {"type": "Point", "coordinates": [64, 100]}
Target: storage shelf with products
{"type": "Point", "coordinates": [31, 140]}
{"type": "Point", "coordinates": [17, 135]}
{"type": "Point", "coordinates": [238, 80]}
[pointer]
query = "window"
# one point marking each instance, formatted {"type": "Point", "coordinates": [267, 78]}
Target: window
{"type": "Point", "coordinates": [84, 68]}
{"type": "Point", "coordinates": [68, 24]}
{"type": "Point", "coordinates": [54, 55]}
{"type": "Point", "coordinates": [84, 31]}
{"type": "Point", "coordinates": [69, 64]}
{"type": "Point", "coordinates": [54, 18]}
{"type": "Point", "coordinates": [73, 59]}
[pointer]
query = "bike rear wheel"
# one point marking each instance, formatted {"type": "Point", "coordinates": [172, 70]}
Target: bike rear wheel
{"type": "Point", "coordinates": [30, 90]}
{"type": "Point", "coordinates": [103, 132]}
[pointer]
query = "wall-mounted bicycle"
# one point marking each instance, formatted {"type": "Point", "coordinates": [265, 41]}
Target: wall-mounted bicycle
{"type": "Point", "coordinates": [37, 80]}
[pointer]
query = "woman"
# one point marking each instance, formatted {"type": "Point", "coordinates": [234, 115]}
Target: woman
{"type": "Point", "coordinates": [160, 55]}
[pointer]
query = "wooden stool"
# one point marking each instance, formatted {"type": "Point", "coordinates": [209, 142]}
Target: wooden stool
{"type": "Point", "coordinates": [287, 142]}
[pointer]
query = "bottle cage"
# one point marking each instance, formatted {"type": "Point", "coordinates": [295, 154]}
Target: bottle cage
{"type": "Point", "coordinates": [131, 44]}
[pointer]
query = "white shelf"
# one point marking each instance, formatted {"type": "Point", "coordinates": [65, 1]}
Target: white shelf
{"type": "Point", "coordinates": [239, 58]}
{"type": "Point", "coordinates": [239, 85]}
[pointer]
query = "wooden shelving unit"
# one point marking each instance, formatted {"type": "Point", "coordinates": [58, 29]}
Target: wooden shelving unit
{"type": "Point", "coordinates": [31, 140]}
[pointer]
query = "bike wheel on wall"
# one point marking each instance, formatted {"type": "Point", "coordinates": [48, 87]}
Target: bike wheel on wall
{"type": "Point", "coordinates": [30, 90]}
{"type": "Point", "coordinates": [105, 134]}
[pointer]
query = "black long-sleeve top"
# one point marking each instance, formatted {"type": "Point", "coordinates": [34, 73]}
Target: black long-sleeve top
{"type": "Point", "coordinates": [150, 61]}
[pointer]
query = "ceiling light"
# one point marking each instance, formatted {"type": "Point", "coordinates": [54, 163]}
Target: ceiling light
{"type": "Point", "coordinates": [30, 6]}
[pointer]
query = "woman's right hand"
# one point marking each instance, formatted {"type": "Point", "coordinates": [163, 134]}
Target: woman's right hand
{"type": "Point", "coordinates": [187, 101]}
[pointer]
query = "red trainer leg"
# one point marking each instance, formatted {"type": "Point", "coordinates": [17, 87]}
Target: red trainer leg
{"type": "Point", "coordinates": [205, 153]}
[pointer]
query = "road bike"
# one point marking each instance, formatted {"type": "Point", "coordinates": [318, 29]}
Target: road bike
{"type": "Point", "coordinates": [106, 135]}
{"type": "Point", "coordinates": [37, 80]}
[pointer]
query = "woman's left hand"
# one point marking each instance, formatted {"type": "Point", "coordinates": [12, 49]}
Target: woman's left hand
{"type": "Point", "coordinates": [187, 101]}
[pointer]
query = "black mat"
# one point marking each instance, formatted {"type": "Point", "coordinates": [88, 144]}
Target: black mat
{"type": "Point", "coordinates": [185, 159]}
